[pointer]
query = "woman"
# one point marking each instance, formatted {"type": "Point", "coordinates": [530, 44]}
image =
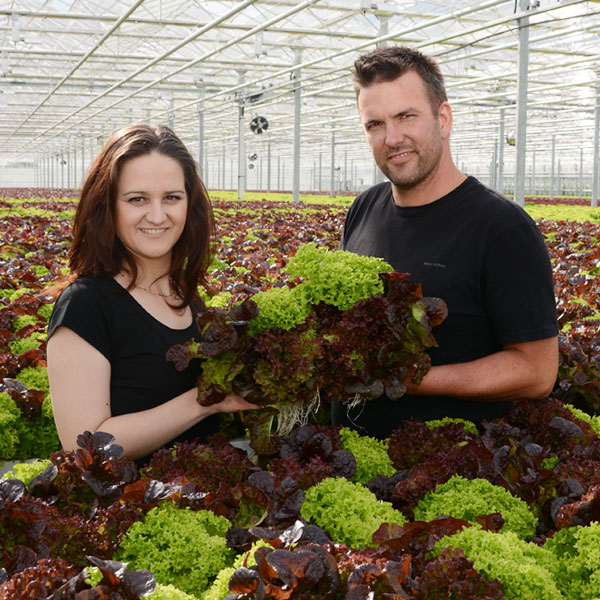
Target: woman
{"type": "Point", "coordinates": [141, 247]}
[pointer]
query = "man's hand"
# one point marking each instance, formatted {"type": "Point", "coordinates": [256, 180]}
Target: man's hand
{"type": "Point", "coordinates": [524, 370]}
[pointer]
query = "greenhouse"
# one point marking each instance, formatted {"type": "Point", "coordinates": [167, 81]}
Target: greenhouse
{"type": "Point", "coordinates": [260, 90]}
{"type": "Point", "coordinates": [278, 339]}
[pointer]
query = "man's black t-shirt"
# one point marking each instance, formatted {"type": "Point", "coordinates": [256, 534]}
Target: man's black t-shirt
{"type": "Point", "coordinates": [479, 252]}
{"type": "Point", "coordinates": [106, 316]}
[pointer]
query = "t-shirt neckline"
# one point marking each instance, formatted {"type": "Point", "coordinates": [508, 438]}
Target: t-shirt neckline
{"type": "Point", "coordinates": [121, 288]}
{"type": "Point", "coordinates": [414, 211]}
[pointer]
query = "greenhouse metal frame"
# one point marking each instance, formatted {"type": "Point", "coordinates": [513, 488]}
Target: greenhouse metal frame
{"type": "Point", "coordinates": [260, 90]}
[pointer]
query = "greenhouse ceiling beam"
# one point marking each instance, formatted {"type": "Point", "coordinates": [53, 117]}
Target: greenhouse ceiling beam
{"type": "Point", "coordinates": [99, 43]}
{"type": "Point", "coordinates": [214, 23]}
{"type": "Point", "coordinates": [510, 74]}
{"type": "Point", "coordinates": [257, 29]}
{"type": "Point", "coordinates": [174, 23]}
{"type": "Point", "coordinates": [337, 54]}
{"type": "Point", "coordinates": [389, 37]}
{"type": "Point", "coordinates": [420, 26]}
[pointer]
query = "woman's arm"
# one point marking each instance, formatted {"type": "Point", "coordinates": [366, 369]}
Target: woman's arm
{"type": "Point", "coordinates": [80, 390]}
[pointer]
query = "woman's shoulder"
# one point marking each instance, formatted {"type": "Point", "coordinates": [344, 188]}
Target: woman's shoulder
{"type": "Point", "coordinates": [84, 297]}
{"type": "Point", "coordinates": [87, 288]}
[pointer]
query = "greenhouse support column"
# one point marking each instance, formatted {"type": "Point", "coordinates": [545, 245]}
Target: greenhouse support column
{"type": "Point", "coordinates": [268, 163]}
{"type": "Point", "coordinates": [62, 170]}
{"type": "Point", "coordinates": [332, 191]}
{"type": "Point", "coordinates": [241, 142]}
{"type": "Point", "coordinates": [68, 167]}
{"type": "Point", "coordinates": [580, 186]}
{"type": "Point", "coordinates": [500, 182]}
{"type": "Point", "coordinates": [345, 188]}
{"type": "Point", "coordinates": [553, 160]}
{"type": "Point", "coordinates": [224, 159]}
{"type": "Point", "coordinates": [320, 171]}
{"type": "Point", "coordinates": [533, 186]}
{"type": "Point", "coordinates": [201, 134]}
{"type": "Point", "coordinates": [493, 166]}
{"type": "Point", "coordinates": [278, 173]}
{"type": "Point", "coordinates": [521, 129]}
{"type": "Point", "coordinates": [297, 111]}
{"type": "Point", "coordinates": [74, 166]}
{"type": "Point", "coordinates": [595, 176]}
{"type": "Point", "coordinates": [82, 160]}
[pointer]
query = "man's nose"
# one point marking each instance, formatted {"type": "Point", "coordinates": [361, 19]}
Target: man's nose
{"type": "Point", "coordinates": [394, 135]}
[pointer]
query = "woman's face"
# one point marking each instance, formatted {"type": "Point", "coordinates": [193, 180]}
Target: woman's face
{"type": "Point", "coordinates": [151, 207]}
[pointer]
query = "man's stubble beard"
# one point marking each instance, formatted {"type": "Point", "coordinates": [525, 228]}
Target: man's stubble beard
{"type": "Point", "coordinates": [427, 163]}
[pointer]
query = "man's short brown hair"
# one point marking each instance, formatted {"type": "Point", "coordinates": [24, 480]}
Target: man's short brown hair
{"type": "Point", "coordinates": [389, 63]}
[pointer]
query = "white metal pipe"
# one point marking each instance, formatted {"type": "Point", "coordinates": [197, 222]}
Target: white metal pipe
{"type": "Point", "coordinates": [521, 129]}
{"type": "Point", "coordinates": [297, 117]}
{"type": "Point", "coordinates": [595, 175]}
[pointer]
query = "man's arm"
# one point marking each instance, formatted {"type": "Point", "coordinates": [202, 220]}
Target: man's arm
{"type": "Point", "coordinates": [524, 370]}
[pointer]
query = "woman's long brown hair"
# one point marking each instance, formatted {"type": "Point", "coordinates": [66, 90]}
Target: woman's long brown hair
{"type": "Point", "coordinates": [96, 249]}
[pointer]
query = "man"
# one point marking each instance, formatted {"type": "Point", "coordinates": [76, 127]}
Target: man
{"type": "Point", "coordinates": [478, 251]}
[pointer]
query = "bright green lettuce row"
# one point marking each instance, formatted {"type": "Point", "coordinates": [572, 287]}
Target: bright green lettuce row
{"type": "Point", "coordinates": [526, 570]}
{"type": "Point", "coordinates": [21, 345]}
{"type": "Point", "coordinates": [169, 592]}
{"type": "Point", "coordinates": [26, 471]}
{"type": "Point", "coordinates": [21, 437]}
{"type": "Point", "coordinates": [28, 437]}
{"type": "Point", "coordinates": [220, 587]}
{"type": "Point", "coordinates": [468, 425]}
{"type": "Point", "coordinates": [465, 499]}
{"type": "Point", "coordinates": [339, 278]}
{"type": "Point", "coordinates": [9, 435]}
{"type": "Point", "coordinates": [347, 511]}
{"type": "Point", "coordinates": [162, 592]}
{"type": "Point", "coordinates": [593, 421]}
{"type": "Point", "coordinates": [35, 378]}
{"type": "Point", "coordinates": [577, 551]}
{"type": "Point", "coordinates": [181, 547]}
{"type": "Point", "coordinates": [371, 455]}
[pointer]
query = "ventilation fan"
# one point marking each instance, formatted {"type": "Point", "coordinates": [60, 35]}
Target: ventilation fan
{"type": "Point", "coordinates": [251, 166]}
{"type": "Point", "coordinates": [259, 124]}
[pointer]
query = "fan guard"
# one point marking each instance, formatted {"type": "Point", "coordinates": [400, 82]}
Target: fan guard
{"type": "Point", "coordinates": [259, 124]}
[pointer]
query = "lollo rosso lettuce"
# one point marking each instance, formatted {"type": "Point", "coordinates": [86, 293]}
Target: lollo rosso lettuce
{"type": "Point", "coordinates": [346, 327]}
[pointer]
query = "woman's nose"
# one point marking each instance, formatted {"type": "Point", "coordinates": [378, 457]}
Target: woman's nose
{"type": "Point", "coordinates": [156, 212]}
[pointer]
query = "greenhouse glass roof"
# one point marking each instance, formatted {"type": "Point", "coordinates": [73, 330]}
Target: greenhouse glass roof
{"type": "Point", "coordinates": [72, 71]}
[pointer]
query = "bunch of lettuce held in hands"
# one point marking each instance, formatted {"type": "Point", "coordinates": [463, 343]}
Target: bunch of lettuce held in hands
{"type": "Point", "coordinates": [345, 327]}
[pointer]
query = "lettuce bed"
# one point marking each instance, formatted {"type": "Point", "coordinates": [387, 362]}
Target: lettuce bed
{"type": "Point", "coordinates": [507, 510]}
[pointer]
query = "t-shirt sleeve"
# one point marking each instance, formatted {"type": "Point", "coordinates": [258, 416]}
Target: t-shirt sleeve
{"type": "Point", "coordinates": [82, 307]}
{"type": "Point", "coordinates": [518, 286]}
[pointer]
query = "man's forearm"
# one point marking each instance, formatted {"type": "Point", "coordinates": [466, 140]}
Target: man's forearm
{"type": "Point", "coordinates": [525, 370]}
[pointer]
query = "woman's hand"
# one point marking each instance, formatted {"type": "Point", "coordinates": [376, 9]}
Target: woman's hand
{"type": "Point", "coordinates": [234, 403]}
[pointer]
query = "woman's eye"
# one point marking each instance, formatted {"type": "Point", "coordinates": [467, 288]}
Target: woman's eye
{"type": "Point", "coordinates": [173, 198]}
{"type": "Point", "coordinates": [136, 200]}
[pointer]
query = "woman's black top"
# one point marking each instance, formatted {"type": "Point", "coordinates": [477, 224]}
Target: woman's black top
{"type": "Point", "coordinates": [109, 318]}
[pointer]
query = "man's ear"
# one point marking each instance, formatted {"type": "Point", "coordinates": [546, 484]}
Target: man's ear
{"type": "Point", "coordinates": [445, 119]}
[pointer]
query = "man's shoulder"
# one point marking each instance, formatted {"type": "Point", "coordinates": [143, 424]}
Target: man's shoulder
{"type": "Point", "coordinates": [375, 192]}
{"type": "Point", "coordinates": [375, 196]}
{"type": "Point", "coordinates": [493, 204]}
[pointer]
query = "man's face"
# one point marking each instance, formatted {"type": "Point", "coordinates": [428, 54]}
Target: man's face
{"type": "Point", "coordinates": [403, 132]}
